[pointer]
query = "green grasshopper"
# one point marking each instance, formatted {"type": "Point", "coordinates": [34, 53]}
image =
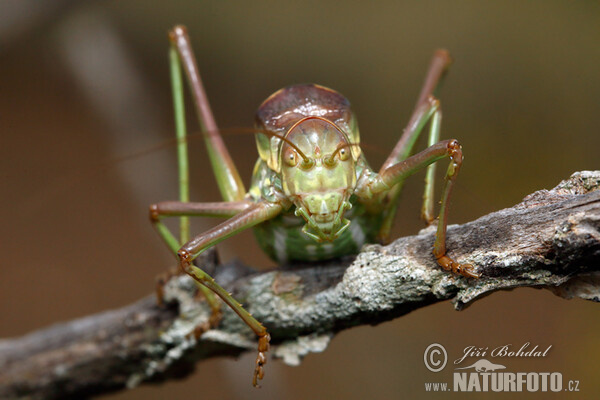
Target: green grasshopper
{"type": "Point", "coordinates": [312, 196]}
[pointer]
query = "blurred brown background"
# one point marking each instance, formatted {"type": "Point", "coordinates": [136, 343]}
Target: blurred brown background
{"type": "Point", "coordinates": [83, 85]}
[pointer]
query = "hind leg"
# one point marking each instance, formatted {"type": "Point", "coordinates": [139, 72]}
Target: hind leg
{"type": "Point", "coordinates": [424, 109]}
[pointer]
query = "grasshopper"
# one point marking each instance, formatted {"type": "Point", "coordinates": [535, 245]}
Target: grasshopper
{"type": "Point", "coordinates": [313, 195]}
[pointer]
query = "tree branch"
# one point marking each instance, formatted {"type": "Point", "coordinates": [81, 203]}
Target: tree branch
{"type": "Point", "coordinates": [550, 240]}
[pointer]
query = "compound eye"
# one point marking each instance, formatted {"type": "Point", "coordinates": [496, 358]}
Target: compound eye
{"type": "Point", "coordinates": [290, 157]}
{"type": "Point", "coordinates": [344, 154]}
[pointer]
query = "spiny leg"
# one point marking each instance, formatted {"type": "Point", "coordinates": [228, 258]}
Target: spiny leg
{"type": "Point", "coordinates": [439, 246]}
{"type": "Point", "coordinates": [164, 209]}
{"type": "Point", "coordinates": [385, 180]}
{"type": "Point", "coordinates": [420, 118]}
{"type": "Point", "coordinates": [247, 218]}
{"type": "Point", "coordinates": [228, 178]}
{"type": "Point", "coordinates": [438, 67]}
{"type": "Point", "coordinates": [231, 188]}
{"type": "Point", "coordinates": [184, 192]}
{"type": "Point", "coordinates": [182, 147]}
{"type": "Point", "coordinates": [434, 137]}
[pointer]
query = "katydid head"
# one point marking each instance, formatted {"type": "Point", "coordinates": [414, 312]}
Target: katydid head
{"type": "Point", "coordinates": [318, 174]}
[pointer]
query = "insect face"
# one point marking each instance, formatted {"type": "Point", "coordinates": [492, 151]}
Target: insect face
{"type": "Point", "coordinates": [318, 174]}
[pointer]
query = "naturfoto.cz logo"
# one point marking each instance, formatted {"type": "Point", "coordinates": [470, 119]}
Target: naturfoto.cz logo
{"type": "Point", "coordinates": [484, 375]}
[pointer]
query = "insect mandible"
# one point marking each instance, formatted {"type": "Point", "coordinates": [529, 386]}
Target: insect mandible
{"type": "Point", "coordinates": [312, 195]}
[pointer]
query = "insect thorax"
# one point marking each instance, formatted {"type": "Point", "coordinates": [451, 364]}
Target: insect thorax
{"type": "Point", "coordinates": [283, 240]}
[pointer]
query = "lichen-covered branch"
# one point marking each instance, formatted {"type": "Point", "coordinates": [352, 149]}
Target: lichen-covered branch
{"type": "Point", "coordinates": [550, 240]}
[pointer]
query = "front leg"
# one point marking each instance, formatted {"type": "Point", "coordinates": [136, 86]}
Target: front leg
{"type": "Point", "coordinates": [385, 181]}
{"type": "Point", "coordinates": [247, 218]}
{"type": "Point", "coordinates": [184, 209]}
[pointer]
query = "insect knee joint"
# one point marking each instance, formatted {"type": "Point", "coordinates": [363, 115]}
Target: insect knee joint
{"type": "Point", "coordinates": [185, 260]}
{"type": "Point", "coordinates": [184, 256]}
{"type": "Point", "coordinates": [455, 151]}
{"type": "Point", "coordinates": [154, 214]}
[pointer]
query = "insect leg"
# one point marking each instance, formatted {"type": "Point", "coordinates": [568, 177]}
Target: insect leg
{"type": "Point", "coordinates": [228, 178]}
{"type": "Point", "coordinates": [418, 121]}
{"type": "Point", "coordinates": [164, 209]}
{"type": "Point", "coordinates": [434, 137]}
{"type": "Point", "coordinates": [247, 218]}
{"type": "Point", "coordinates": [400, 171]}
{"type": "Point", "coordinates": [184, 192]}
{"type": "Point", "coordinates": [182, 147]}
{"type": "Point", "coordinates": [439, 65]}
{"type": "Point", "coordinates": [437, 69]}
{"type": "Point", "coordinates": [177, 208]}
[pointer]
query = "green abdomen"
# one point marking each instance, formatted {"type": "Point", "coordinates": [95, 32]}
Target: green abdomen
{"type": "Point", "coordinates": [282, 238]}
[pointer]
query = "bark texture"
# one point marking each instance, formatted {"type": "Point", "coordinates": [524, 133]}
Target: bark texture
{"type": "Point", "coordinates": [550, 240]}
